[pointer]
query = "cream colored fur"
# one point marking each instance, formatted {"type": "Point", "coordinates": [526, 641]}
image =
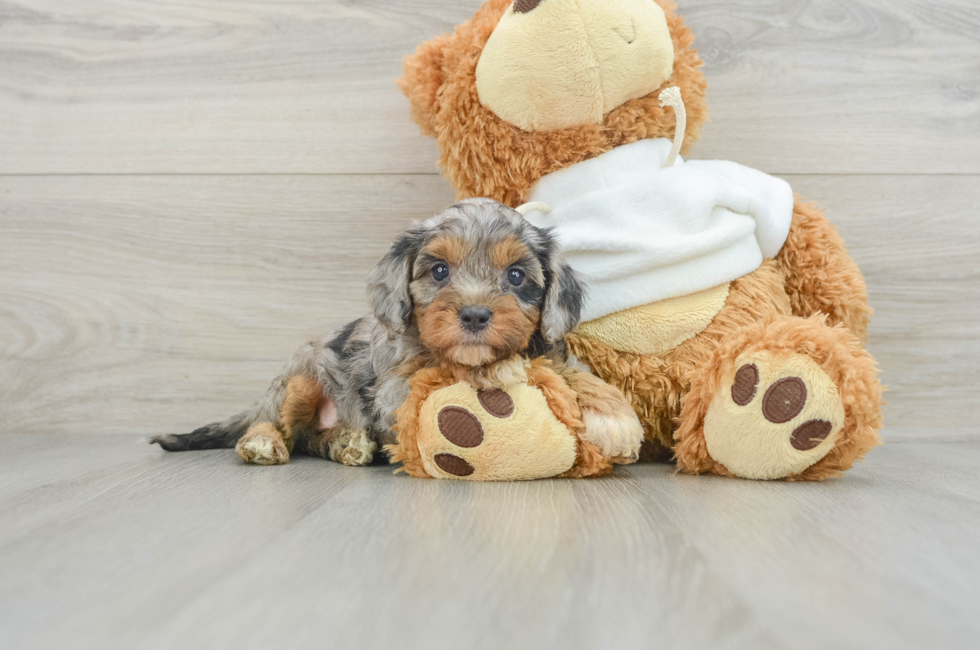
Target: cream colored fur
{"type": "Point", "coordinates": [262, 444]}
{"type": "Point", "coordinates": [530, 444]}
{"type": "Point", "coordinates": [610, 422]}
{"type": "Point", "coordinates": [354, 448]}
{"type": "Point", "coordinates": [567, 63]}
{"type": "Point", "coordinates": [617, 435]}
{"type": "Point", "coordinates": [503, 374]}
{"type": "Point", "coordinates": [750, 446]}
{"type": "Point", "coordinates": [659, 327]}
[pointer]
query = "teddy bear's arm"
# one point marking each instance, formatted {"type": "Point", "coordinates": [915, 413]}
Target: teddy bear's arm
{"type": "Point", "coordinates": [820, 276]}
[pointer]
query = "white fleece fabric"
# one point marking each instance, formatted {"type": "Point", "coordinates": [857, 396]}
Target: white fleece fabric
{"type": "Point", "coordinates": [639, 233]}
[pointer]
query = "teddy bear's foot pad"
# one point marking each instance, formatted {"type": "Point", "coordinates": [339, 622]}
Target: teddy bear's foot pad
{"type": "Point", "coordinates": [454, 465]}
{"type": "Point", "coordinates": [778, 416]}
{"type": "Point", "coordinates": [482, 435]}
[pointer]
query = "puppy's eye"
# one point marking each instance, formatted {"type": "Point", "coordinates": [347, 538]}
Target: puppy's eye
{"type": "Point", "coordinates": [515, 277]}
{"type": "Point", "coordinates": [440, 271]}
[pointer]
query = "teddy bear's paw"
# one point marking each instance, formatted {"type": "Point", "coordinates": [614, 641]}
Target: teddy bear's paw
{"type": "Point", "coordinates": [492, 435]}
{"type": "Point", "coordinates": [776, 416]}
{"type": "Point", "coordinates": [617, 433]}
{"type": "Point", "coordinates": [262, 445]}
{"type": "Point", "coordinates": [352, 448]}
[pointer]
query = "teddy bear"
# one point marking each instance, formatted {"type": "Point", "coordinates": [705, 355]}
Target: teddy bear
{"type": "Point", "coordinates": [726, 308]}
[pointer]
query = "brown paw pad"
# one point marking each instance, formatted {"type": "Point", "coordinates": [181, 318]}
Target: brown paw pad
{"type": "Point", "coordinates": [496, 402]}
{"type": "Point", "coordinates": [460, 427]}
{"type": "Point", "coordinates": [810, 434]}
{"type": "Point", "coordinates": [746, 384]}
{"type": "Point", "coordinates": [784, 400]}
{"type": "Point", "coordinates": [453, 465]}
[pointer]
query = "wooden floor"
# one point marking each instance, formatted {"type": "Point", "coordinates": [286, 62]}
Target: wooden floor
{"type": "Point", "coordinates": [108, 543]}
{"type": "Point", "coordinates": [189, 190]}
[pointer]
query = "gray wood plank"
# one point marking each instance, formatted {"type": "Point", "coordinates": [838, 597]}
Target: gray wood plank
{"type": "Point", "coordinates": [154, 302]}
{"type": "Point", "coordinates": [137, 86]}
{"type": "Point", "coordinates": [149, 304]}
{"type": "Point", "coordinates": [123, 545]}
{"type": "Point", "coordinates": [872, 86]}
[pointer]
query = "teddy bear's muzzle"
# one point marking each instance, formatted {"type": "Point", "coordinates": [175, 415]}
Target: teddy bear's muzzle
{"type": "Point", "coordinates": [552, 64]}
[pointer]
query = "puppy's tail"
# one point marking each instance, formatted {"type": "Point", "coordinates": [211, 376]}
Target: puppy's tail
{"type": "Point", "coordinates": [219, 435]}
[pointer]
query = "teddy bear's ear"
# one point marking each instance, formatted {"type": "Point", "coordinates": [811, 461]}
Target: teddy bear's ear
{"type": "Point", "coordinates": [423, 77]}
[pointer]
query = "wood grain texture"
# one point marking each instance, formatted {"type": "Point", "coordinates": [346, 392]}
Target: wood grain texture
{"type": "Point", "coordinates": [168, 238]}
{"type": "Point", "coordinates": [917, 240]}
{"type": "Point", "coordinates": [152, 304]}
{"type": "Point", "coordinates": [108, 543]}
{"type": "Point", "coordinates": [234, 86]}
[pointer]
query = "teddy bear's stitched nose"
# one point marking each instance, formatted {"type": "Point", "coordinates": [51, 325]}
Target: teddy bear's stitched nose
{"type": "Point", "coordinates": [524, 6]}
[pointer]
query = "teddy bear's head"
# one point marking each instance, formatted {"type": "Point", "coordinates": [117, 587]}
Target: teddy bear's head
{"type": "Point", "coordinates": [528, 87]}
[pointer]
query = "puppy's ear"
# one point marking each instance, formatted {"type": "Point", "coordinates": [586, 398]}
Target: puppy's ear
{"type": "Point", "coordinates": [422, 79]}
{"type": "Point", "coordinates": [388, 282]}
{"type": "Point", "coordinates": [564, 294]}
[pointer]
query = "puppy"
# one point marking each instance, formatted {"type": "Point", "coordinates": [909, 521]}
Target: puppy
{"type": "Point", "coordinates": [476, 289]}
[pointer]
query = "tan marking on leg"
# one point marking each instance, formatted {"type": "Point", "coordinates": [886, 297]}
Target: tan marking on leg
{"type": "Point", "coordinates": [298, 413]}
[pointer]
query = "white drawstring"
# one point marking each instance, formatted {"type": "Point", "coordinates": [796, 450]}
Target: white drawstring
{"type": "Point", "coordinates": [672, 97]}
{"type": "Point", "coordinates": [543, 208]}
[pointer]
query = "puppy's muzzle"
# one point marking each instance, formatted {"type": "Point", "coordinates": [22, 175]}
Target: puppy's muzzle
{"type": "Point", "coordinates": [475, 319]}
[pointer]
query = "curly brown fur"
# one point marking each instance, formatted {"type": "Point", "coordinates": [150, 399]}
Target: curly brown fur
{"type": "Point", "coordinates": [819, 275]}
{"type": "Point", "coordinates": [482, 155]}
{"type": "Point", "coordinates": [298, 415]}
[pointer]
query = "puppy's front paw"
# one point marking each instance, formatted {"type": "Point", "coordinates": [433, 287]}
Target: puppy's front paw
{"type": "Point", "coordinates": [616, 432]}
{"type": "Point", "coordinates": [610, 422]}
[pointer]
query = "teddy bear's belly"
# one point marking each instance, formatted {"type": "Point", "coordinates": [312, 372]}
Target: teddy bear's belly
{"type": "Point", "coordinates": [659, 327]}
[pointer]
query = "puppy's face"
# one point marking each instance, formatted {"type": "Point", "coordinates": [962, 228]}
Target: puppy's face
{"type": "Point", "coordinates": [478, 295]}
{"type": "Point", "coordinates": [481, 283]}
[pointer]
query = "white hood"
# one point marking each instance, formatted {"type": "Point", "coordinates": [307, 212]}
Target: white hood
{"type": "Point", "coordinates": [639, 233]}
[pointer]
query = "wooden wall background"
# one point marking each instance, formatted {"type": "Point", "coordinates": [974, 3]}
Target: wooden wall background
{"type": "Point", "coordinates": [188, 190]}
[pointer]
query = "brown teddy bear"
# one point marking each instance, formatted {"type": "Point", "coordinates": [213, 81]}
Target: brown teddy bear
{"type": "Point", "coordinates": [726, 309]}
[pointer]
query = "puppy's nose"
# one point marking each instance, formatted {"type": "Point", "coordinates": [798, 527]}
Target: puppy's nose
{"type": "Point", "coordinates": [475, 319]}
